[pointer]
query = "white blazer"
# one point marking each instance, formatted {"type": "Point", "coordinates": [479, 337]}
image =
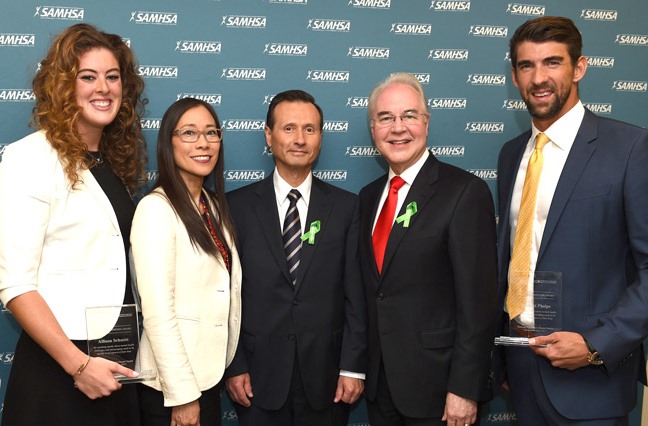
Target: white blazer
{"type": "Point", "coordinates": [190, 303]}
{"type": "Point", "coordinates": [64, 243]}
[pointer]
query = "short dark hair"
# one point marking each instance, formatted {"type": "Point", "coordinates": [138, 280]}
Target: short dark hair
{"type": "Point", "coordinates": [292, 96]}
{"type": "Point", "coordinates": [548, 28]}
{"type": "Point", "coordinates": [176, 191]}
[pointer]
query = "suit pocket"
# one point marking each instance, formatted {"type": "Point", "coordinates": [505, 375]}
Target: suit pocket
{"type": "Point", "coordinates": [438, 339]}
{"type": "Point", "coordinates": [586, 192]}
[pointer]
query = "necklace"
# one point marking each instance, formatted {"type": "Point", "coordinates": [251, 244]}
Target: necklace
{"type": "Point", "coordinates": [96, 155]}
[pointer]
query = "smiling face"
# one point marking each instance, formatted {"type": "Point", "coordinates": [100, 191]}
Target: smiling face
{"type": "Point", "coordinates": [547, 80]}
{"type": "Point", "coordinates": [401, 145]}
{"type": "Point", "coordinates": [195, 160]}
{"type": "Point", "coordinates": [295, 139]}
{"type": "Point", "coordinates": [98, 92]}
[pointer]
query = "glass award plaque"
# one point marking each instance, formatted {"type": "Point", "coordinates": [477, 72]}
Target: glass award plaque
{"type": "Point", "coordinates": [547, 311]}
{"type": "Point", "coordinates": [119, 343]}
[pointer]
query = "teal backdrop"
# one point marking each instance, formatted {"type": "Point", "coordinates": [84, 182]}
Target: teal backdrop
{"type": "Point", "coordinates": [236, 54]}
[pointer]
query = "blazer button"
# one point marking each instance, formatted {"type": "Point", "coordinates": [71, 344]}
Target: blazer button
{"type": "Point", "coordinates": [291, 337]}
{"type": "Point", "coordinates": [295, 302]}
{"type": "Point", "coordinates": [380, 296]}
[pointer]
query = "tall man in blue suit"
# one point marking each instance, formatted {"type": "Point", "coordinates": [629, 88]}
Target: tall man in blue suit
{"type": "Point", "coordinates": [301, 355]}
{"type": "Point", "coordinates": [588, 222]}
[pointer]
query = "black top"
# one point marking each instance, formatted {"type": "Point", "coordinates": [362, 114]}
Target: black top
{"type": "Point", "coordinates": [123, 206]}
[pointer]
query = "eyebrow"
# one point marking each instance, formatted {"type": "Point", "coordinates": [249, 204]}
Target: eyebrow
{"type": "Point", "coordinates": [547, 59]}
{"type": "Point", "coordinates": [95, 71]}
{"type": "Point", "coordinates": [414, 110]}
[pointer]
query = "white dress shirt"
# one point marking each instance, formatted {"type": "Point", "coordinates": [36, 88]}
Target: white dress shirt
{"type": "Point", "coordinates": [408, 176]}
{"type": "Point", "coordinates": [562, 134]}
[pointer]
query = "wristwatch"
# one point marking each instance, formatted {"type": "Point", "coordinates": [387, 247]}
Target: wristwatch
{"type": "Point", "coordinates": [593, 357]}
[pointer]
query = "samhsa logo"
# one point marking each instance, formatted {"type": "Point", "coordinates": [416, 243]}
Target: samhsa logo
{"type": "Point", "coordinates": [486, 174]}
{"type": "Point", "coordinates": [405, 28]}
{"type": "Point", "coordinates": [629, 86]}
{"type": "Point", "coordinates": [362, 151]}
{"type": "Point", "coordinates": [152, 176]}
{"type": "Point", "coordinates": [631, 40]}
{"type": "Point", "coordinates": [127, 41]}
{"type": "Point", "coordinates": [6, 357]}
{"type": "Point", "coordinates": [598, 108]}
{"type": "Point", "coordinates": [486, 79]}
{"type": "Point", "coordinates": [210, 98]}
{"type": "Point", "coordinates": [484, 127]}
{"type": "Point", "coordinates": [331, 175]}
{"type": "Point", "coordinates": [448, 151]}
{"type": "Point", "coordinates": [514, 105]}
{"type": "Point", "coordinates": [328, 76]}
{"type": "Point", "coordinates": [447, 103]}
{"type": "Point", "coordinates": [285, 49]}
{"type": "Point", "coordinates": [142, 17]}
{"type": "Point", "coordinates": [334, 25]}
{"type": "Point", "coordinates": [150, 123]}
{"type": "Point", "coordinates": [370, 4]}
{"type": "Point", "coordinates": [267, 99]}
{"type": "Point", "coordinates": [488, 31]}
{"type": "Point", "coordinates": [243, 125]}
{"type": "Point", "coordinates": [242, 21]}
{"type": "Point", "coordinates": [288, 1]}
{"type": "Point", "coordinates": [17, 40]}
{"type": "Point", "coordinates": [59, 12]}
{"type": "Point", "coordinates": [599, 15]}
{"type": "Point", "coordinates": [525, 9]}
{"type": "Point", "coordinates": [243, 175]}
{"type": "Point", "coordinates": [157, 71]}
{"type": "Point", "coordinates": [505, 417]}
{"type": "Point", "coordinates": [358, 52]}
{"type": "Point", "coordinates": [450, 6]}
{"type": "Point", "coordinates": [267, 151]}
{"type": "Point", "coordinates": [244, 74]}
{"type": "Point", "coordinates": [17, 95]}
{"type": "Point", "coordinates": [422, 77]}
{"type": "Point", "coordinates": [357, 102]}
{"type": "Point", "coordinates": [449, 54]}
{"type": "Point", "coordinates": [600, 61]}
{"type": "Point", "coordinates": [335, 126]}
{"type": "Point", "coordinates": [198, 46]}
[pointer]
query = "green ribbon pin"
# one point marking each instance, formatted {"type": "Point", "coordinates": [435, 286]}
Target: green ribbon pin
{"type": "Point", "coordinates": [410, 211]}
{"type": "Point", "coordinates": [310, 235]}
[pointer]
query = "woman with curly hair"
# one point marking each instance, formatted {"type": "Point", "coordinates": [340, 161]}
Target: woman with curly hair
{"type": "Point", "coordinates": [65, 217]}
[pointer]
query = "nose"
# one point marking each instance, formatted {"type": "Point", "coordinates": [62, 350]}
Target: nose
{"type": "Point", "coordinates": [202, 140]}
{"type": "Point", "coordinates": [539, 75]}
{"type": "Point", "coordinates": [102, 85]}
{"type": "Point", "coordinates": [398, 125]}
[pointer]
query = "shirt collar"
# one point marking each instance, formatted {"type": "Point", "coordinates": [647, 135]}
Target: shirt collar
{"type": "Point", "coordinates": [412, 171]}
{"type": "Point", "coordinates": [282, 188]}
{"type": "Point", "coordinates": [563, 132]}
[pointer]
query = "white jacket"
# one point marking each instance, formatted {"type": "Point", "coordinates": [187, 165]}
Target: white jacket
{"type": "Point", "coordinates": [190, 304]}
{"type": "Point", "coordinates": [66, 244]}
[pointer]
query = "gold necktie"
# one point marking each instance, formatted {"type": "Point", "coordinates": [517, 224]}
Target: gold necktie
{"type": "Point", "coordinates": [520, 266]}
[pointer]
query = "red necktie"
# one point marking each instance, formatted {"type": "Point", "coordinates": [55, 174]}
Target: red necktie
{"type": "Point", "coordinates": [385, 221]}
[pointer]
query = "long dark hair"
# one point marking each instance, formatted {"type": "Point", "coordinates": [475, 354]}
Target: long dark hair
{"type": "Point", "coordinates": [176, 190]}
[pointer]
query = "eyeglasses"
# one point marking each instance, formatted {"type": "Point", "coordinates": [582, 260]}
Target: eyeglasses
{"type": "Point", "coordinates": [191, 135]}
{"type": "Point", "coordinates": [408, 119]}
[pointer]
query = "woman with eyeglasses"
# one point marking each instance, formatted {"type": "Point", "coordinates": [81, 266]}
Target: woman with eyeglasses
{"type": "Point", "coordinates": [188, 272]}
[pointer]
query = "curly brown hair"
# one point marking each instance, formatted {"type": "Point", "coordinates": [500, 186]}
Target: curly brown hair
{"type": "Point", "coordinates": [57, 113]}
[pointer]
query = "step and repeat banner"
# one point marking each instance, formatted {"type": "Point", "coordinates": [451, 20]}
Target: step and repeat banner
{"type": "Point", "coordinates": [236, 54]}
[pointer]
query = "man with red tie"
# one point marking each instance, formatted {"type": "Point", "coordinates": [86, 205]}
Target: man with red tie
{"type": "Point", "coordinates": [428, 256]}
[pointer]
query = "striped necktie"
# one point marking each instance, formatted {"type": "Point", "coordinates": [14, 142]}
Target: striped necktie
{"type": "Point", "coordinates": [292, 234]}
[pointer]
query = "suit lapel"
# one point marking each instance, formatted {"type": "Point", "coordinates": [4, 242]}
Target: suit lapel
{"type": "Point", "coordinates": [319, 208]}
{"type": "Point", "coordinates": [373, 198]}
{"type": "Point", "coordinates": [270, 224]}
{"type": "Point", "coordinates": [577, 160]}
{"type": "Point", "coordinates": [421, 192]}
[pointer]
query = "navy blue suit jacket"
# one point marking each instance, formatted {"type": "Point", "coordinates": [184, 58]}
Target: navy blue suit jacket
{"type": "Point", "coordinates": [596, 235]}
{"type": "Point", "coordinates": [323, 316]}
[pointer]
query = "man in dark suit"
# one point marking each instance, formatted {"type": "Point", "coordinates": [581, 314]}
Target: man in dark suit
{"type": "Point", "coordinates": [588, 225]}
{"type": "Point", "coordinates": [428, 256]}
{"type": "Point", "coordinates": [302, 353]}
